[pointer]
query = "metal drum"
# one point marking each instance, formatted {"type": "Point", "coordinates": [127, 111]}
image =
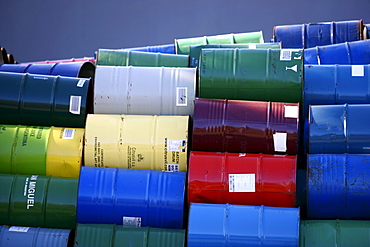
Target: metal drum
{"type": "Point", "coordinates": [245, 126]}
{"type": "Point", "coordinates": [337, 129]}
{"type": "Point", "coordinates": [195, 50]}
{"type": "Point", "coordinates": [137, 141]}
{"type": "Point", "coordinates": [335, 84]}
{"type": "Point", "coordinates": [251, 74]}
{"type": "Point", "coordinates": [138, 58]}
{"type": "Point", "coordinates": [50, 151]}
{"type": "Point", "coordinates": [225, 225]}
{"type": "Point", "coordinates": [68, 60]}
{"type": "Point", "coordinates": [21, 236]}
{"type": "Point", "coordinates": [131, 197]}
{"type": "Point", "coordinates": [337, 186]}
{"type": "Point", "coordinates": [23, 149]}
{"type": "Point", "coordinates": [64, 152]}
{"type": "Point", "coordinates": [317, 34]}
{"type": "Point", "coordinates": [70, 69]}
{"type": "Point", "coordinates": [100, 235]}
{"type": "Point", "coordinates": [244, 179]}
{"type": "Point", "coordinates": [44, 100]}
{"type": "Point", "coordinates": [356, 52]}
{"type": "Point", "coordinates": [182, 46]}
{"type": "Point", "coordinates": [323, 233]}
{"type": "Point", "coordinates": [144, 90]}
{"type": "Point", "coordinates": [168, 49]}
{"type": "Point", "coordinates": [38, 201]}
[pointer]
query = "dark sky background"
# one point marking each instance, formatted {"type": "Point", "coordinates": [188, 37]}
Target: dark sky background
{"type": "Point", "coordinates": [45, 30]}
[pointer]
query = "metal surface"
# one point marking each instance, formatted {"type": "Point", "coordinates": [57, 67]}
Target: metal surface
{"type": "Point", "coordinates": [251, 74]}
{"type": "Point", "coordinates": [336, 129]}
{"type": "Point", "coordinates": [317, 34]}
{"type": "Point", "coordinates": [239, 178]}
{"type": "Point", "coordinates": [70, 60]}
{"type": "Point", "coordinates": [20, 236]}
{"type": "Point", "coordinates": [356, 52]}
{"type": "Point", "coordinates": [337, 186]}
{"type": "Point", "coordinates": [144, 90]}
{"type": "Point", "coordinates": [343, 233]}
{"type": "Point", "coordinates": [169, 48]}
{"type": "Point", "coordinates": [51, 151]}
{"type": "Point", "coordinates": [94, 235]}
{"type": "Point", "coordinates": [137, 141]}
{"type": "Point", "coordinates": [131, 197]}
{"type": "Point", "coordinates": [91, 235]}
{"type": "Point", "coordinates": [335, 84]}
{"type": "Point", "coordinates": [301, 197]}
{"type": "Point", "coordinates": [70, 69]}
{"type": "Point", "coordinates": [64, 152]}
{"type": "Point", "coordinates": [245, 126]}
{"type": "Point", "coordinates": [195, 50]}
{"type": "Point", "coordinates": [23, 149]}
{"type": "Point", "coordinates": [3, 56]}
{"type": "Point", "coordinates": [238, 225]}
{"type": "Point", "coordinates": [139, 58]}
{"type": "Point", "coordinates": [182, 46]}
{"type": "Point", "coordinates": [43, 100]}
{"type": "Point", "coordinates": [38, 201]}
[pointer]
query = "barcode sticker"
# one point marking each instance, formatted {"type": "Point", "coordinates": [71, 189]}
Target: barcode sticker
{"type": "Point", "coordinates": [18, 229]}
{"type": "Point", "coordinates": [173, 167]}
{"type": "Point", "coordinates": [285, 55]}
{"type": "Point", "coordinates": [81, 82]}
{"type": "Point", "coordinates": [242, 183]}
{"type": "Point", "coordinates": [75, 104]}
{"type": "Point", "coordinates": [176, 145]}
{"type": "Point", "coordinates": [280, 142]}
{"type": "Point", "coordinates": [181, 96]}
{"type": "Point", "coordinates": [252, 46]}
{"type": "Point", "coordinates": [132, 221]}
{"type": "Point", "coordinates": [358, 70]}
{"type": "Point", "coordinates": [68, 133]}
{"type": "Point", "coordinates": [291, 111]}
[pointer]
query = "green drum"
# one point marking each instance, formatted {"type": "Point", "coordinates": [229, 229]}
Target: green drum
{"type": "Point", "coordinates": [251, 74]}
{"type": "Point", "coordinates": [108, 235]}
{"type": "Point", "coordinates": [182, 46]}
{"type": "Point", "coordinates": [138, 58]}
{"type": "Point", "coordinates": [195, 50]}
{"type": "Point", "coordinates": [341, 233]}
{"type": "Point", "coordinates": [23, 149]}
{"type": "Point", "coordinates": [38, 201]}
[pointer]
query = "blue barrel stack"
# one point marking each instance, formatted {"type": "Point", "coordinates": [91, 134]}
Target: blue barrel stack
{"type": "Point", "coordinates": [327, 62]}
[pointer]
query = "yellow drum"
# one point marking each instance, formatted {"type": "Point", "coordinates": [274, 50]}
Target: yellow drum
{"type": "Point", "coordinates": [64, 152]}
{"type": "Point", "coordinates": [137, 141]}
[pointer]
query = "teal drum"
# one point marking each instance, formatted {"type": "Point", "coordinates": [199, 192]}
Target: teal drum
{"type": "Point", "coordinates": [109, 235]}
{"type": "Point", "coordinates": [195, 50]}
{"type": "Point", "coordinates": [251, 74]}
{"type": "Point", "coordinates": [323, 233]}
{"type": "Point", "coordinates": [44, 100]}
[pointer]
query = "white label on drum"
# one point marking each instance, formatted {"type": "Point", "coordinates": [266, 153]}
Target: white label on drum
{"type": "Point", "coordinates": [280, 142]}
{"type": "Point", "coordinates": [242, 183]}
{"type": "Point", "coordinates": [358, 70]}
